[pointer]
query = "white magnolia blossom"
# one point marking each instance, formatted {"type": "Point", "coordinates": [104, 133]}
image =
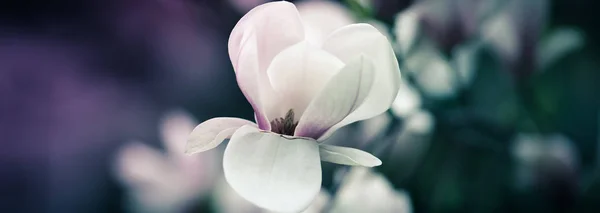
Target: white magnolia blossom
{"type": "Point", "coordinates": [363, 190]}
{"type": "Point", "coordinates": [408, 100]}
{"type": "Point", "coordinates": [301, 93]}
{"type": "Point", "coordinates": [168, 182]}
{"type": "Point", "coordinates": [433, 73]}
{"type": "Point", "coordinates": [533, 152]}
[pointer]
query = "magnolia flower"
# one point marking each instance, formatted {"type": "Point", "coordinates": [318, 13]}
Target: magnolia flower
{"type": "Point", "coordinates": [543, 157]}
{"type": "Point", "coordinates": [446, 22]}
{"type": "Point", "coordinates": [165, 182]}
{"type": "Point", "coordinates": [301, 93]}
{"type": "Point", "coordinates": [366, 191]}
{"type": "Point", "coordinates": [515, 34]}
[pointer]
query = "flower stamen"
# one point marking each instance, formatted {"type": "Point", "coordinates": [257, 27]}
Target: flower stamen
{"type": "Point", "coordinates": [285, 125]}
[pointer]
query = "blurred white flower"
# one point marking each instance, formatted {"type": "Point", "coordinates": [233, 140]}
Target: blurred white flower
{"type": "Point", "coordinates": [445, 22]}
{"type": "Point", "coordinates": [464, 61]}
{"type": "Point", "coordinates": [406, 30]}
{"type": "Point", "coordinates": [557, 44]}
{"type": "Point", "coordinates": [408, 100]}
{"type": "Point", "coordinates": [301, 93]}
{"type": "Point", "coordinates": [165, 182]}
{"type": "Point", "coordinates": [432, 72]}
{"type": "Point", "coordinates": [363, 190]}
{"type": "Point", "coordinates": [539, 156]}
{"type": "Point", "coordinates": [514, 33]}
{"type": "Point", "coordinates": [320, 18]}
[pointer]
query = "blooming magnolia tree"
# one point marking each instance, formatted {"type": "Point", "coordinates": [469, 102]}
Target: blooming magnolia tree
{"type": "Point", "coordinates": [301, 92]}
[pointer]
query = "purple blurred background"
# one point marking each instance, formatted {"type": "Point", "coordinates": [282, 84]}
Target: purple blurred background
{"type": "Point", "coordinates": [78, 79]}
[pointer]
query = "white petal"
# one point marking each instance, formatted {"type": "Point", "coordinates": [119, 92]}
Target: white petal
{"type": "Point", "coordinates": [297, 74]}
{"type": "Point", "coordinates": [209, 134]}
{"type": "Point", "coordinates": [353, 40]}
{"type": "Point", "coordinates": [260, 35]}
{"type": "Point", "coordinates": [276, 173]}
{"type": "Point", "coordinates": [347, 156]}
{"type": "Point", "coordinates": [344, 93]}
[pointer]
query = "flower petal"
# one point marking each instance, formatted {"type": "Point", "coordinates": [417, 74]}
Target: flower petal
{"type": "Point", "coordinates": [253, 83]}
{"type": "Point", "coordinates": [209, 134]}
{"type": "Point", "coordinates": [276, 173]}
{"type": "Point", "coordinates": [277, 25]}
{"type": "Point", "coordinates": [347, 156]}
{"type": "Point", "coordinates": [345, 92]}
{"type": "Point", "coordinates": [353, 40]}
{"type": "Point", "coordinates": [260, 35]}
{"type": "Point", "coordinates": [297, 74]}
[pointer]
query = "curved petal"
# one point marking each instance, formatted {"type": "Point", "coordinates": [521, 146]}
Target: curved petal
{"type": "Point", "coordinates": [260, 35]}
{"type": "Point", "coordinates": [209, 134]}
{"type": "Point", "coordinates": [297, 75]}
{"type": "Point", "coordinates": [347, 156]}
{"type": "Point", "coordinates": [344, 93]}
{"type": "Point", "coordinates": [356, 39]}
{"type": "Point", "coordinates": [277, 25]}
{"type": "Point", "coordinates": [253, 83]}
{"type": "Point", "coordinates": [271, 171]}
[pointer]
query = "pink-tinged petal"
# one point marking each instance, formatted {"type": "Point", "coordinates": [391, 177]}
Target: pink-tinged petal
{"type": "Point", "coordinates": [297, 75]}
{"type": "Point", "coordinates": [353, 40]}
{"type": "Point", "coordinates": [253, 83]}
{"type": "Point", "coordinates": [344, 93]}
{"type": "Point", "coordinates": [274, 172]}
{"type": "Point", "coordinates": [209, 134]}
{"type": "Point", "coordinates": [277, 25]}
{"type": "Point", "coordinates": [174, 129]}
{"type": "Point", "coordinates": [138, 163]}
{"type": "Point", "coordinates": [347, 156]}
{"type": "Point", "coordinates": [260, 35]}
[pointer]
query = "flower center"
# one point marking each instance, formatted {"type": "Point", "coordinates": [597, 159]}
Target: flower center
{"type": "Point", "coordinates": [285, 125]}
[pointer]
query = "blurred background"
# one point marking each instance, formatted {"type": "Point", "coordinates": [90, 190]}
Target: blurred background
{"type": "Point", "coordinates": [499, 109]}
